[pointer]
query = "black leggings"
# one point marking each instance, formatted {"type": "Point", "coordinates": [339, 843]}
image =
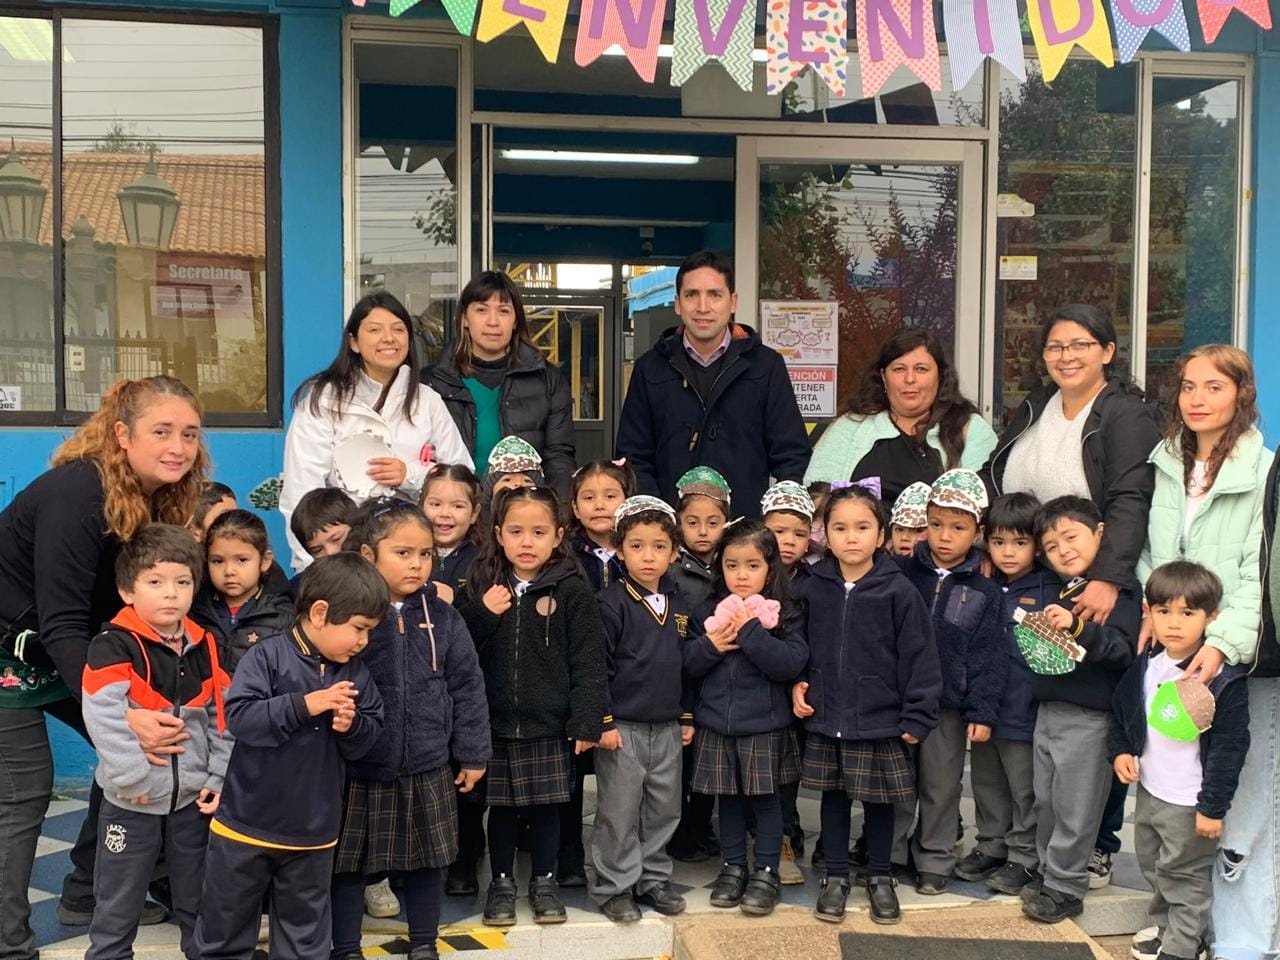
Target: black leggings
{"type": "Point", "coordinates": [544, 830]}
{"type": "Point", "coordinates": [877, 828]}
{"type": "Point", "coordinates": [767, 810]}
{"type": "Point", "coordinates": [422, 893]}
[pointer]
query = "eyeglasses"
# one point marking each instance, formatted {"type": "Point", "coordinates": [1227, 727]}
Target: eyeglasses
{"type": "Point", "coordinates": [1076, 348]}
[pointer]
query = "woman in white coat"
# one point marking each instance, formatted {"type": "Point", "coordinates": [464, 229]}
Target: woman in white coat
{"type": "Point", "coordinates": [370, 388]}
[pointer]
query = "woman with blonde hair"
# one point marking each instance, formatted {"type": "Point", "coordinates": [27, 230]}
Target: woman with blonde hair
{"type": "Point", "coordinates": [139, 459]}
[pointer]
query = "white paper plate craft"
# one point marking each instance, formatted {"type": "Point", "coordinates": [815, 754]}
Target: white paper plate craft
{"type": "Point", "coordinates": [351, 462]}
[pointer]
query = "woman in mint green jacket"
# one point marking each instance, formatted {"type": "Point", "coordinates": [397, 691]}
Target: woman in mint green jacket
{"type": "Point", "coordinates": [908, 422]}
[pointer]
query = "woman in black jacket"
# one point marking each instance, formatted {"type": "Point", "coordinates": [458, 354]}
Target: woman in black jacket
{"type": "Point", "coordinates": [496, 383]}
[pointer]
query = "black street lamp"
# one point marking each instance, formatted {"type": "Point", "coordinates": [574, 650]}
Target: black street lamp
{"type": "Point", "coordinates": [22, 197]}
{"type": "Point", "coordinates": [149, 208]}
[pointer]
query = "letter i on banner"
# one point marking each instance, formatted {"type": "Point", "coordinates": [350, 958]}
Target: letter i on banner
{"type": "Point", "coordinates": [719, 30]}
{"type": "Point", "coordinates": [1214, 13]}
{"type": "Point", "coordinates": [977, 29]}
{"type": "Point", "coordinates": [807, 33]}
{"type": "Point", "coordinates": [544, 20]}
{"type": "Point", "coordinates": [1058, 25]}
{"type": "Point", "coordinates": [1134, 19]}
{"type": "Point", "coordinates": [634, 25]}
{"type": "Point", "coordinates": [893, 33]}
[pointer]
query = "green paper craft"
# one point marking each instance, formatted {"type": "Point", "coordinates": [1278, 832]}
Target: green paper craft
{"type": "Point", "coordinates": [1181, 710]}
{"type": "Point", "coordinates": [1047, 650]}
{"type": "Point", "coordinates": [266, 495]}
{"type": "Point", "coordinates": [462, 13]}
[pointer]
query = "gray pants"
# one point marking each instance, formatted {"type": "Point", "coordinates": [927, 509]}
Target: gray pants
{"type": "Point", "coordinates": [939, 773]}
{"type": "Point", "coordinates": [1178, 864]}
{"type": "Point", "coordinates": [637, 809]}
{"type": "Point", "coordinates": [1072, 779]}
{"type": "Point", "coordinates": [1004, 797]}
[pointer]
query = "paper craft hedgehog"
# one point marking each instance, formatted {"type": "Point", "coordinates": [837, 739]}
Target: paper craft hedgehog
{"type": "Point", "coordinates": [1046, 649]}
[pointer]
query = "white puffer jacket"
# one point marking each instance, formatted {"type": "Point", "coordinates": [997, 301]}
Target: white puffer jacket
{"type": "Point", "coordinates": [310, 442]}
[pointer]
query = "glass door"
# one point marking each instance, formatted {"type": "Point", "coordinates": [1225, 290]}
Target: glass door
{"type": "Point", "coordinates": [889, 231]}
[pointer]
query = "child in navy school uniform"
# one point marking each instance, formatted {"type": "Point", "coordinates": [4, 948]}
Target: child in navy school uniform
{"type": "Point", "coordinates": [599, 488]}
{"type": "Point", "coordinates": [451, 500]}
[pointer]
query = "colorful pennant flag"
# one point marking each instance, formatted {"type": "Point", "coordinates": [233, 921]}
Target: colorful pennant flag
{"type": "Point", "coordinates": [1058, 25]}
{"type": "Point", "coordinates": [634, 25]}
{"type": "Point", "coordinates": [807, 33]}
{"type": "Point", "coordinates": [461, 12]}
{"type": "Point", "coordinates": [544, 20]}
{"type": "Point", "coordinates": [1214, 13]}
{"type": "Point", "coordinates": [977, 29]}
{"type": "Point", "coordinates": [719, 30]}
{"type": "Point", "coordinates": [1134, 19]}
{"type": "Point", "coordinates": [893, 33]}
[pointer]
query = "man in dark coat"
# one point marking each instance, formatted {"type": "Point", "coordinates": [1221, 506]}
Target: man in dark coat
{"type": "Point", "coordinates": [709, 393]}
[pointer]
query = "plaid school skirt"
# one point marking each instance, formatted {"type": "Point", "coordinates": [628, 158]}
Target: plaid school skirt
{"type": "Point", "coordinates": [403, 824]}
{"type": "Point", "coordinates": [877, 771]}
{"type": "Point", "coordinates": [754, 765]}
{"type": "Point", "coordinates": [525, 773]}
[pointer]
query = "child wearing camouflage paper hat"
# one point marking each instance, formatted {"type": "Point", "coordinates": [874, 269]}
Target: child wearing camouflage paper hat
{"type": "Point", "coordinates": [909, 522]}
{"type": "Point", "coordinates": [513, 462]}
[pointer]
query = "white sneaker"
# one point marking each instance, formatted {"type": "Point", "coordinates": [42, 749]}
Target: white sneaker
{"type": "Point", "coordinates": [379, 901]}
{"type": "Point", "coordinates": [1099, 870]}
{"type": "Point", "coordinates": [1146, 944]}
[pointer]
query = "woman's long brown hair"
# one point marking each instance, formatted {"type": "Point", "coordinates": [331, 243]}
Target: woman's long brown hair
{"type": "Point", "coordinates": [1235, 365]}
{"type": "Point", "coordinates": [126, 506]}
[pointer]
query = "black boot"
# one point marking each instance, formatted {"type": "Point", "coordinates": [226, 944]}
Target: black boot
{"type": "Point", "coordinates": [761, 893]}
{"type": "Point", "coordinates": [728, 888]}
{"type": "Point", "coordinates": [544, 898]}
{"type": "Point", "coordinates": [884, 901]}
{"type": "Point", "coordinates": [461, 879]}
{"type": "Point", "coordinates": [831, 899]}
{"type": "Point", "coordinates": [500, 903]}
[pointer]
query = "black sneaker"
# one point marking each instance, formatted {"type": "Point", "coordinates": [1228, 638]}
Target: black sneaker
{"type": "Point", "coordinates": [1010, 879]}
{"type": "Point", "coordinates": [1032, 886]}
{"type": "Point", "coordinates": [978, 866]}
{"type": "Point", "coordinates": [1051, 906]}
{"type": "Point", "coordinates": [80, 914]}
{"type": "Point", "coordinates": [662, 899]}
{"type": "Point", "coordinates": [728, 888]}
{"type": "Point", "coordinates": [500, 903]}
{"type": "Point", "coordinates": [1099, 870]}
{"type": "Point", "coordinates": [884, 901]}
{"type": "Point", "coordinates": [761, 893]}
{"type": "Point", "coordinates": [931, 884]}
{"type": "Point", "coordinates": [621, 909]}
{"type": "Point", "coordinates": [544, 899]}
{"type": "Point", "coordinates": [831, 899]}
{"type": "Point", "coordinates": [1146, 944]}
{"type": "Point", "coordinates": [461, 879]}
{"type": "Point", "coordinates": [424, 952]}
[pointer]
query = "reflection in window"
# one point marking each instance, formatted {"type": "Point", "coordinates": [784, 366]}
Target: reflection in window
{"type": "Point", "coordinates": [571, 338]}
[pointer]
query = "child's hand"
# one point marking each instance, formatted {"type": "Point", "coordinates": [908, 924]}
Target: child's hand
{"type": "Point", "coordinates": [1145, 635]}
{"type": "Point", "coordinates": [330, 698]}
{"type": "Point", "coordinates": [686, 735]}
{"type": "Point", "coordinates": [799, 705]}
{"type": "Point", "coordinates": [581, 746]}
{"type": "Point", "coordinates": [497, 599]}
{"type": "Point", "coordinates": [443, 591]}
{"type": "Point", "coordinates": [725, 639]}
{"type": "Point", "coordinates": [343, 718]}
{"type": "Point", "coordinates": [908, 738]}
{"type": "Point", "coordinates": [1059, 618]}
{"type": "Point", "coordinates": [1205, 827]}
{"type": "Point", "coordinates": [466, 780]}
{"type": "Point", "coordinates": [610, 740]}
{"type": "Point", "coordinates": [1126, 767]}
{"type": "Point", "coordinates": [140, 801]}
{"type": "Point", "coordinates": [979, 733]}
{"type": "Point", "coordinates": [207, 802]}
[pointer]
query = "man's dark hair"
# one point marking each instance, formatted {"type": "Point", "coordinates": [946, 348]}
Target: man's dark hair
{"type": "Point", "coordinates": [1013, 513]}
{"type": "Point", "coordinates": [318, 509]}
{"type": "Point", "coordinates": [1078, 509]}
{"type": "Point", "coordinates": [706, 258]}
{"type": "Point", "coordinates": [158, 543]}
{"type": "Point", "coordinates": [1198, 586]}
{"type": "Point", "coordinates": [350, 584]}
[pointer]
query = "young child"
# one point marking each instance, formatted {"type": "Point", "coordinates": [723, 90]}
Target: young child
{"type": "Point", "coordinates": [1072, 775]}
{"type": "Point", "coordinates": [321, 520]}
{"type": "Point", "coordinates": [400, 813]}
{"type": "Point", "coordinates": [1187, 777]}
{"type": "Point", "coordinates": [965, 611]}
{"type": "Point", "coordinates": [513, 463]}
{"type": "Point", "coordinates": [536, 626]}
{"type": "Point", "coordinates": [871, 690]}
{"type": "Point", "coordinates": [215, 500]}
{"type": "Point", "coordinates": [451, 500]}
{"type": "Point", "coordinates": [702, 506]}
{"type": "Point", "coordinates": [598, 489]}
{"type": "Point", "coordinates": [909, 521]}
{"type": "Point", "coordinates": [151, 656]}
{"type": "Point", "coordinates": [744, 748]}
{"type": "Point", "coordinates": [234, 604]}
{"type": "Point", "coordinates": [1001, 768]}
{"type": "Point", "coordinates": [301, 705]}
{"type": "Point", "coordinates": [818, 492]}
{"type": "Point", "coordinates": [649, 719]}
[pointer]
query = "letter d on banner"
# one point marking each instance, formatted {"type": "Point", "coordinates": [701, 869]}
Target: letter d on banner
{"type": "Point", "coordinates": [1058, 25]}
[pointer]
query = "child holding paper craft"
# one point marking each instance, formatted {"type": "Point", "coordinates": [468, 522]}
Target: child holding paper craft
{"type": "Point", "coordinates": [1183, 742]}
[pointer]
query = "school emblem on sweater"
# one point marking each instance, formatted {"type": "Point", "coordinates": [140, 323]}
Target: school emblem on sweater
{"type": "Point", "coordinates": [1047, 650]}
{"type": "Point", "coordinates": [115, 838]}
{"type": "Point", "coordinates": [682, 625]}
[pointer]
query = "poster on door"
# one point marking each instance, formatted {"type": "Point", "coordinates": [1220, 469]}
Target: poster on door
{"type": "Point", "coordinates": [803, 331]}
{"type": "Point", "coordinates": [815, 389]}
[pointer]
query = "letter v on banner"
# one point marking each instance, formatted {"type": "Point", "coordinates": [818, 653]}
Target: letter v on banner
{"type": "Point", "coordinates": [1134, 19]}
{"type": "Point", "coordinates": [1214, 13]}
{"type": "Point", "coordinates": [807, 33]}
{"type": "Point", "coordinates": [544, 20]}
{"type": "Point", "coordinates": [634, 25]}
{"type": "Point", "coordinates": [1058, 25]}
{"type": "Point", "coordinates": [893, 33]}
{"type": "Point", "coordinates": [977, 29]}
{"type": "Point", "coordinates": [713, 30]}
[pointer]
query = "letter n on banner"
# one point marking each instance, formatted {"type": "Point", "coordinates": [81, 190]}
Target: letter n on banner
{"type": "Point", "coordinates": [634, 25]}
{"type": "Point", "coordinates": [1214, 13]}
{"type": "Point", "coordinates": [1058, 25]}
{"type": "Point", "coordinates": [893, 33]}
{"type": "Point", "coordinates": [807, 33]}
{"type": "Point", "coordinates": [544, 20]}
{"type": "Point", "coordinates": [719, 30]}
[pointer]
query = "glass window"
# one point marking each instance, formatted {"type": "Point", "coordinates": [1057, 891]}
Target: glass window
{"type": "Point", "coordinates": [407, 182]}
{"type": "Point", "coordinates": [1195, 143]}
{"type": "Point", "coordinates": [1066, 210]}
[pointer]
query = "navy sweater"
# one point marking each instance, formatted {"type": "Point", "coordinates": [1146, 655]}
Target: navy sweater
{"type": "Point", "coordinates": [873, 665]}
{"type": "Point", "coordinates": [260, 616]}
{"type": "Point", "coordinates": [692, 577]}
{"type": "Point", "coordinates": [454, 569]}
{"type": "Point", "coordinates": [746, 691]}
{"type": "Point", "coordinates": [965, 608]}
{"type": "Point", "coordinates": [599, 573]}
{"type": "Point", "coordinates": [644, 655]}
{"type": "Point", "coordinates": [1033, 591]}
{"type": "Point", "coordinates": [1222, 747]}
{"type": "Point", "coordinates": [285, 778]}
{"type": "Point", "coordinates": [1108, 652]}
{"type": "Point", "coordinates": [425, 665]}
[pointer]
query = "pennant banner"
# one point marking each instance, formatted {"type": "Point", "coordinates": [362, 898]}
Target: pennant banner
{"type": "Point", "coordinates": [1134, 19]}
{"type": "Point", "coordinates": [543, 18]}
{"type": "Point", "coordinates": [977, 29]}
{"type": "Point", "coordinates": [1214, 13]}
{"type": "Point", "coordinates": [634, 25]}
{"type": "Point", "coordinates": [719, 30]}
{"type": "Point", "coordinates": [461, 12]}
{"type": "Point", "coordinates": [1058, 25]}
{"type": "Point", "coordinates": [893, 33]}
{"type": "Point", "coordinates": [807, 33]}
